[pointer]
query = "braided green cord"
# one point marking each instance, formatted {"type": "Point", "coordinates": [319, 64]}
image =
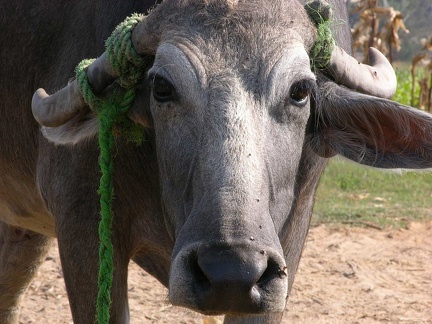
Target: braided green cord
{"type": "Point", "coordinates": [106, 192]}
{"type": "Point", "coordinates": [112, 112]}
{"type": "Point", "coordinates": [84, 85]}
{"type": "Point", "coordinates": [121, 54]}
{"type": "Point", "coordinates": [321, 14]}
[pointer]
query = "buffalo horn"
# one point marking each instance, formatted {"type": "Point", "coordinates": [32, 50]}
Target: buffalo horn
{"type": "Point", "coordinates": [377, 79]}
{"type": "Point", "coordinates": [57, 109]}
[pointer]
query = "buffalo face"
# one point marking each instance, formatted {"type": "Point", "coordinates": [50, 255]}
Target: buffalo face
{"type": "Point", "coordinates": [229, 126]}
{"type": "Point", "coordinates": [228, 96]}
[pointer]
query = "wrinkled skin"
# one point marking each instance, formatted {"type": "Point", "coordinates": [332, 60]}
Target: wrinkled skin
{"type": "Point", "coordinates": [221, 192]}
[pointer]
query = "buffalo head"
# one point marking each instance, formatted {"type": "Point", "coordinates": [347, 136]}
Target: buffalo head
{"type": "Point", "coordinates": [242, 127]}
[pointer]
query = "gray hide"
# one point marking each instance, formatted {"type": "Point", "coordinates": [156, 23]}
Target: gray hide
{"type": "Point", "coordinates": [216, 203]}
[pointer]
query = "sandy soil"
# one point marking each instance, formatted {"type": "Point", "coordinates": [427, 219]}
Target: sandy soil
{"type": "Point", "coordinates": [347, 275]}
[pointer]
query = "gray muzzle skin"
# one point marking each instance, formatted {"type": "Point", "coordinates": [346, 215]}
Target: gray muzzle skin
{"type": "Point", "coordinates": [217, 277]}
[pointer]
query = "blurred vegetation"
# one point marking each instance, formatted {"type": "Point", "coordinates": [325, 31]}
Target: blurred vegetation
{"type": "Point", "coordinates": [353, 194]}
{"type": "Point", "coordinates": [417, 17]}
{"type": "Point", "coordinates": [377, 27]}
{"type": "Point", "coordinates": [404, 78]}
{"type": "Point", "coordinates": [376, 23]}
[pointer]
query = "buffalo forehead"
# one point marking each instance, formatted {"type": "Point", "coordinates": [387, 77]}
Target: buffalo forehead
{"type": "Point", "coordinates": [237, 33]}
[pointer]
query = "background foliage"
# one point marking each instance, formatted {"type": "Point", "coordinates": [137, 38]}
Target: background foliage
{"type": "Point", "coordinates": [358, 195]}
{"type": "Point", "coordinates": [418, 20]}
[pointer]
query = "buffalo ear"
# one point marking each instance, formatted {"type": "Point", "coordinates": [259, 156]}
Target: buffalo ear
{"type": "Point", "coordinates": [82, 127]}
{"type": "Point", "coordinates": [370, 130]}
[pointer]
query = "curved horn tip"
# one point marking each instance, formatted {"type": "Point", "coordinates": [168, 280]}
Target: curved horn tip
{"type": "Point", "coordinates": [56, 109]}
{"type": "Point", "coordinates": [377, 79]}
{"type": "Point", "coordinates": [378, 59]}
{"type": "Point", "coordinates": [39, 95]}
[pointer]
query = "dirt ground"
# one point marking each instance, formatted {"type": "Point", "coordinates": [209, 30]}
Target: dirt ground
{"type": "Point", "coordinates": [347, 275]}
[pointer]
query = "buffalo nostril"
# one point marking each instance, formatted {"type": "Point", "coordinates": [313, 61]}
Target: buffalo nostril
{"type": "Point", "coordinates": [273, 269]}
{"type": "Point", "coordinates": [228, 280]}
{"type": "Point", "coordinates": [200, 279]}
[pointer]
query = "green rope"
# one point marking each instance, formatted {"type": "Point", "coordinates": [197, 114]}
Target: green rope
{"type": "Point", "coordinates": [112, 113]}
{"type": "Point", "coordinates": [321, 14]}
{"type": "Point", "coordinates": [121, 54]}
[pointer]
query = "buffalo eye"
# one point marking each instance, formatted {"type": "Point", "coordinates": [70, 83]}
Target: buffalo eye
{"type": "Point", "coordinates": [299, 93]}
{"type": "Point", "coordinates": [163, 90]}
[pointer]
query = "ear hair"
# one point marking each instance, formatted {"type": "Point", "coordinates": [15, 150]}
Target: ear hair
{"type": "Point", "coordinates": [83, 126]}
{"type": "Point", "coordinates": [369, 130]}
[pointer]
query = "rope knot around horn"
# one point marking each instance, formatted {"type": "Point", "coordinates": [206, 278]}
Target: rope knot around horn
{"type": "Point", "coordinates": [112, 115]}
{"type": "Point", "coordinates": [321, 14]}
{"type": "Point", "coordinates": [121, 54]}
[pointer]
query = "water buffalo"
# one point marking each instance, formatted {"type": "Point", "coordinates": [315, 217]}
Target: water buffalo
{"type": "Point", "coordinates": [216, 202]}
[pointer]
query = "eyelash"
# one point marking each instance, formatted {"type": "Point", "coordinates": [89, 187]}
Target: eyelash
{"type": "Point", "coordinates": [162, 89]}
{"type": "Point", "coordinates": [300, 92]}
